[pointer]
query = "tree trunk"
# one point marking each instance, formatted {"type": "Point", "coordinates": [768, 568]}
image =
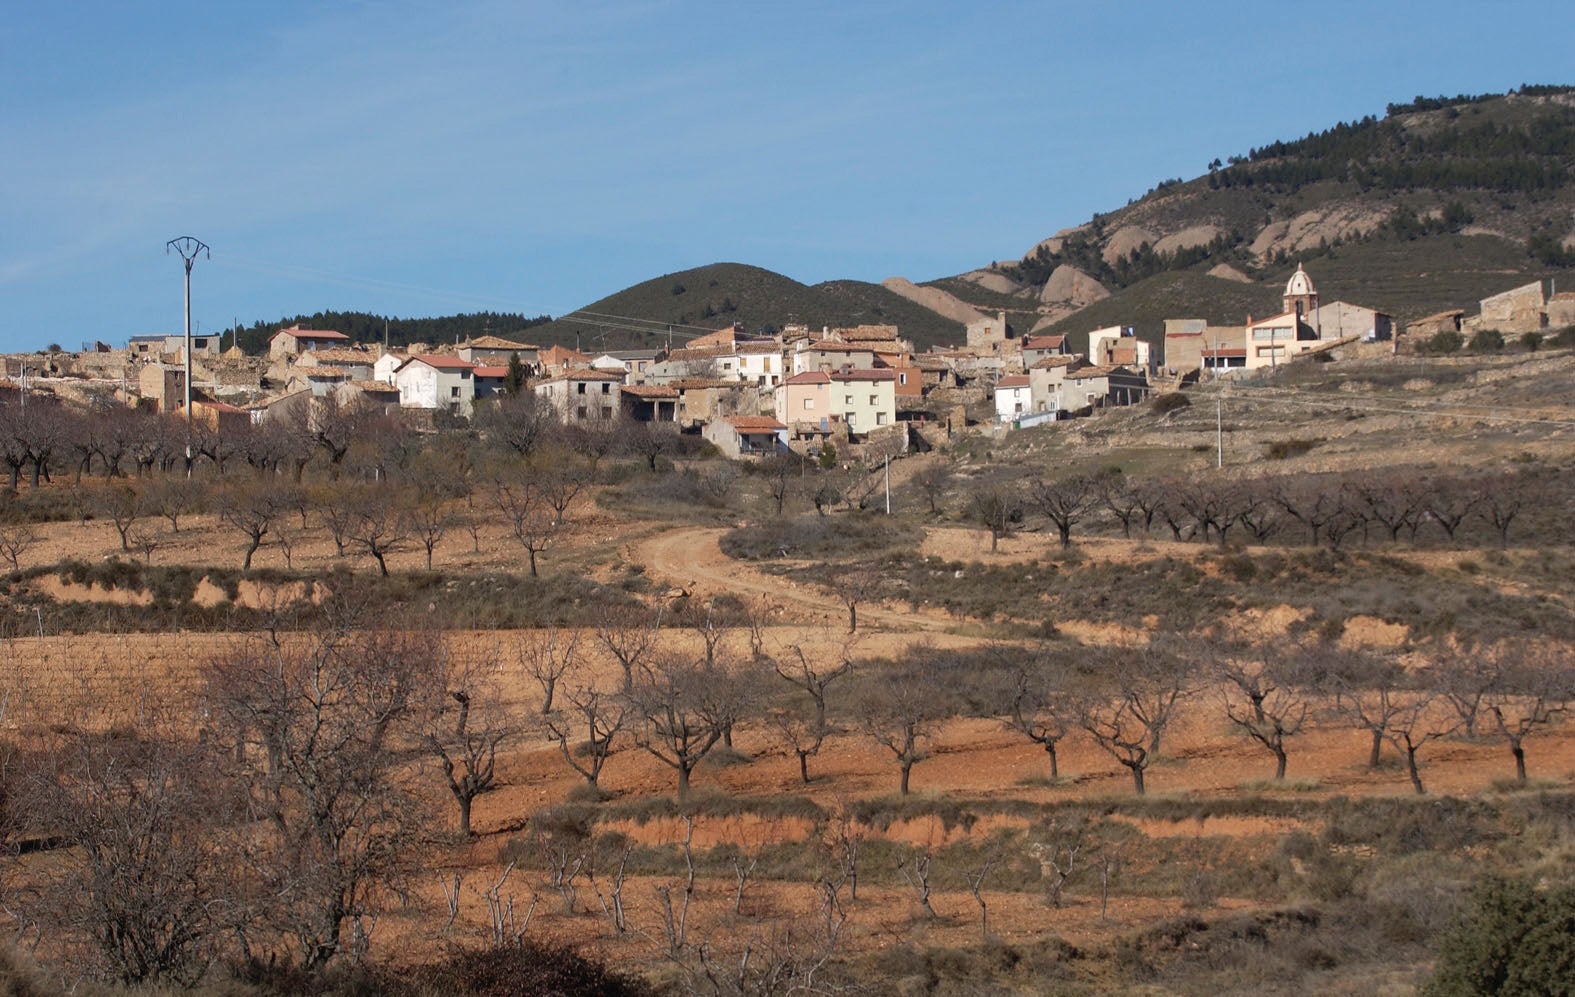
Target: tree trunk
{"type": "Point", "coordinates": [1378, 744]}
{"type": "Point", "coordinates": [464, 814]}
{"type": "Point", "coordinates": [1410, 766]}
{"type": "Point", "coordinates": [683, 782]}
{"type": "Point", "coordinates": [1279, 764]}
{"type": "Point", "coordinates": [1519, 751]}
{"type": "Point", "coordinates": [906, 768]}
{"type": "Point", "coordinates": [1137, 778]}
{"type": "Point", "coordinates": [803, 766]}
{"type": "Point", "coordinates": [1055, 766]}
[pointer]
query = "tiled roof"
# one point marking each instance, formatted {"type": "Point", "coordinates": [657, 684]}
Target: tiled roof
{"type": "Point", "coordinates": [1044, 342]}
{"type": "Point", "coordinates": [864, 375]}
{"type": "Point", "coordinates": [592, 374]}
{"type": "Point", "coordinates": [496, 343]}
{"type": "Point", "coordinates": [1050, 363]}
{"type": "Point", "coordinates": [650, 390]}
{"type": "Point", "coordinates": [497, 372]}
{"type": "Point", "coordinates": [754, 424]}
{"type": "Point", "coordinates": [809, 377]}
{"type": "Point", "coordinates": [439, 361]}
{"type": "Point", "coordinates": [1013, 381]}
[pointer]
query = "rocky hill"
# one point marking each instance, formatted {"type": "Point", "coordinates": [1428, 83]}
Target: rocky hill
{"type": "Point", "coordinates": [1436, 205]}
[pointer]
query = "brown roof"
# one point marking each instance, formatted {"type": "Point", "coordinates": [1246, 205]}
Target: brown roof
{"type": "Point", "coordinates": [300, 333]}
{"type": "Point", "coordinates": [1045, 342]}
{"type": "Point", "coordinates": [827, 346]}
{"type": "Point", "coordinates": [650, 390]}
{"type": "Point", "coordinates": [340, 355]}
{"type": "Point", "coordinates": [499, 372]}
{"type": "Point", "coordinates": [864, 375]}
{"type": "Point", "coordinates": [1066, 360]}
{"type": "Point", "coordinates": [1452, 313]}
{"type": "Point", "coordinates": [1013, 381]}
{"type": "Point", "coordinates": [592, 374]}
{"type": "Point", "coordinates": [440, 361]}
{"type": "Point", "coordinates": [496, 343]}
{"type": "Point", "coordinates": [1087, 373]}
{"type": "Point", "coordinates": [702, 383]}
{"type": "Point", "coordinates": [754, 423]}
{"type": "Point", "coordinates": [809, 377]}
{"type": "Point", "coordinates": [866, 333]}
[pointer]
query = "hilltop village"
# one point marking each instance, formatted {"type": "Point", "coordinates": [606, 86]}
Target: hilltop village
{"type": "Point", "coordinates": [794, 391]}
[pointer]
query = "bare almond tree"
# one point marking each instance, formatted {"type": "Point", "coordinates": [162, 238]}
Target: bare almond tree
{"type": "Point", "coordinates": [628, 635]}
{"type": "Point", "coordinates": [587, 727]}
{"type": "Point", "coordinates": [313, 724]}
{"type": "Point", "coordinates": [1041, 705]}
{"type": "Point", "coordinates": [1139, 690]}
{"type": "Point", "coordinates": [464, 727]}
{"type": "Point", "coordinates": [547, 656]}
{"type": "Point", "coordinates": [1064, 501]}
{"type": "Point", "coordinates": [805, 726]}
{"type": "Point", "coordinates": [899, 706]}
{"type": "Point", "coordinates": [681, 704]}
{"type": "Point", "coordinates": [1534, 690]}
{"type": "Point", "coordinates": [1264, 695]}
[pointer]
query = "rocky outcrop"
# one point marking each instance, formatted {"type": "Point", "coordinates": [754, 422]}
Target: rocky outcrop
{"type": "Point", "coordinates": [936, 300]}
{"type": "Point", "coordinates": [1055, 242]}
{"type": "Point", "coordinates": [1310, 228]}
{"type": "Point", "coordinates": [1070, 286]}
{"type": "Point", "coordinates": [992, 280]}
{"type": "Point", "coordinates": [1196, 235]}
{"type": "Point", "coordinates": [1227, 272]}
{"type": "Point", "coordinates": [1124, 240]}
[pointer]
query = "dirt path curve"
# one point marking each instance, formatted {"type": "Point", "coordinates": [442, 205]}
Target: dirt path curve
{"type": "Point", "coordinates": [692, 559]}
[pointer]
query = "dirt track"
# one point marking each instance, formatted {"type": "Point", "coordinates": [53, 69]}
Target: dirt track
{"type": "Point", "coordinates": [692, 559]}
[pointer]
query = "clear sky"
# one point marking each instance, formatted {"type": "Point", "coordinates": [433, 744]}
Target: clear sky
{"type": "Point", "coordinates": [426, 157]}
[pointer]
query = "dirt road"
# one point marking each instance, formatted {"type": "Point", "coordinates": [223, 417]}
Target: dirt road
{"type": "Point", "coordinates": [692, 559]}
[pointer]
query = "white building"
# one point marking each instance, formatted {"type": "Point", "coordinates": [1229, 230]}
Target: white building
{"type": "Point", "coordinates": [431, 381]}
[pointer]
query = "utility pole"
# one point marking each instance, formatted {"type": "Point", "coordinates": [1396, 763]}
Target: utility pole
{"type": "Point", "coordinates": [188, 248]}
{"type": "Point", "coordinates": [1219, 431]}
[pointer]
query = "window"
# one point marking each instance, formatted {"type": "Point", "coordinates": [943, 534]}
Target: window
{"type": "Point", "coordinates": [847, 399]}
{"type": "Point", "coordinates": [809, 404]}
{"type": "Point", "coordinates": [874, 399]}
{"type": "Point", "coordinates": [880, 418]}
{"type": "Point", "coordinates": [579, 413]}
{"type": "Point", "coordinates": [454, 391]}
{"type": "Point", "coordinates": [902, 378]}
{"type": "Point", "coordinates": [580, 388]}
{"type": "Point", "coordinates": [606, 388]}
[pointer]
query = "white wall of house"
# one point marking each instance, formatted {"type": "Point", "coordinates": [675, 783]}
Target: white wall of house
{"type": "Point", "coordinates": [1013, 401]}
{"type": "Point", "coordinates": [423, 386]}
{"type": "Point", "coordinates": [864, 404]}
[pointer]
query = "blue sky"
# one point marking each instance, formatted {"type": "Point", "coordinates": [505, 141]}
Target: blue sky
{"type": "Point", "coordinates": [420, 158]}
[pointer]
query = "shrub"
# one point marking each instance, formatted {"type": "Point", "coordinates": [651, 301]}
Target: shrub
{"type": "Point", "coordinates": [1285, 449]}
{"type": "Point", "coordinates": [1531, 341]}
{"type": "Point", "coordinates": [1441, 343]}
{"type": "Point", "coordinates": [1514, 939]}
{"type": "Point", "coordinates": [1487, 341]}
{"type": "Point", "coordinates": [1170, 402]}
{"type": "Point", "coordinates": [533, 968]}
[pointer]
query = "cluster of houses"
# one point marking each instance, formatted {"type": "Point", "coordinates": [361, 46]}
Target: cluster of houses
{"type": "Point", "coordinates": [794, 390]}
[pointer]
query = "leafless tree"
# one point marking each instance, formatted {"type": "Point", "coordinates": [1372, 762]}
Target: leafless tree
{"type": "Point", "coordinates": [997, 507]}
{"type": "Point", "coordinates": [1368, 691]}
{"type": "Point", "coordinates": [547, 655]}
{"type": "Point", "coordinates": [1140, 689]}
{"type": "Point", "coordinates": [252, 508]}
{"type": "Point", "coordinates": [1038, 691]}
{"type": "Point", "coordinates": [806, 730]}
{"type": "Point", "coordinates": [518, 423]}
{"type": "Point", "coordinates": [1415, 722]}
{"type": "Point", "coordinates": [173, 497]}
{"type": "Point", "coordinates": [1395, 500]}
{"type": "Point", "coordinates": [314, 725]}
{"type": "Point", "coordinates": [899, 706]}
{"type": "Point", "coordinates": [16, 540]}
{"type": "Point", "coordinates": [1064, 501]}
{"type": "Point", "coordinates": [464, 727]}
{"type": "Point", "coordinates": [933, 482]}
{"type": "Point", "coordinates": [975, 878]}
{"type": "Point", "coordinates": [144, 884]}
{"type": "Point", "coordinates": [914, 867]}
{"type": "Point", "coordinates": [1314, 501]}
{"type": "Point", "coordinates": [529, 517]}
{"type": "Point", "coordinates": [779, 473]}
{"type": "Point", "coordinates": [379, 524]}
{"type": "Point", "coordinates": [628, 635]}
{"type": "Point", "coordinates": [123, 505]}
{"type": "Point", "coordinates": [1264, 694]}
{"type": "Point", "coordinates": [1535, 689]}
{"type": "Point", "coordinates": [1449, 501]}
{"type": "Point", "coordinates": [597, 715]}
{"type": "Point", "coordinates": [681, 703]}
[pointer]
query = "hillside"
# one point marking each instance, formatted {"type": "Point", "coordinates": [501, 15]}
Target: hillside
{"type": "Point", "coordinates": [1436, 205]}
{"type": "Point", "coordinates": [710, 297]}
